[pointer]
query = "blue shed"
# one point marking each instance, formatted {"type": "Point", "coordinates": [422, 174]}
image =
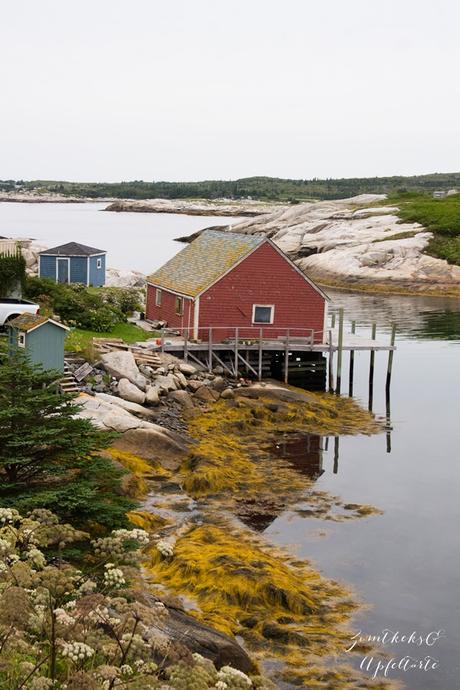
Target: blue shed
{"type": "Point", "coordinates": [73, 263]}
{"type": "Point", "coordinates": [41, 339]}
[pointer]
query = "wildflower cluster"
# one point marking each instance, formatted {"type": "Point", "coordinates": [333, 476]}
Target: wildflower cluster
{"type": "Point", "coordinates": [65, 629]}
{"type": "Point", "coordinates": [166, 548]}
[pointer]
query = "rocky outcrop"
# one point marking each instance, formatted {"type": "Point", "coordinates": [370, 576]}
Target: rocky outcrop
{"type": "Point", "coordinates": [124, 279]}
{"type": "Point", "coordinates": [128, 391]}
{"type": "Point", "coordinates": [201, 207]}
{"type": "Point", "coordinates": [122, 365]}
{"type": "Point", "coordinates": [355, 242]}
{"type": "Point", "coordinates": [146, 439]}
{"type": "Point", "coordinates": [178, 626]}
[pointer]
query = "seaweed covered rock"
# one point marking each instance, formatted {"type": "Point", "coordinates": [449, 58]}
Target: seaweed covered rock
{"type": "Point", "coordinates": [197, 637]}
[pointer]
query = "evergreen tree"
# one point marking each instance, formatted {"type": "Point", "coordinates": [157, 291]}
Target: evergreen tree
{"type": "Point", "coordinates": [48, 456]}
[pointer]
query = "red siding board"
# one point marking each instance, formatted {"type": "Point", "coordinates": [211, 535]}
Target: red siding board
{"type": "Point", "coordinates": [264, 277]}
{"type": "Point", "coordinates": [167, 310]}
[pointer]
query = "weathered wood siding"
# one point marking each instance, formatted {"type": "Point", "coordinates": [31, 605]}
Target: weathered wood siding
{"type": "Point", "coordinates": [264, 277]}
{"type": "Point", "coordinates": [167, 310]}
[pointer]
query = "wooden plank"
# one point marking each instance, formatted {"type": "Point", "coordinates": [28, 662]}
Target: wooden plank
{"type": "Point", "coordinates": [247, 364]}
{"type": "Point", "coordinates": [210, 349]}
{"type": "Point", "coordinates": [222, 363]}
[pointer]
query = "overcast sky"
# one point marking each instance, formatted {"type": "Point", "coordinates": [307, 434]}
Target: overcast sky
{"type": "Point", "coordinates": [105, 90]}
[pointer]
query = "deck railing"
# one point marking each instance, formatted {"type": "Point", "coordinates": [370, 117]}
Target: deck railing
{"type": "Point", "coordinates": [244, 335]}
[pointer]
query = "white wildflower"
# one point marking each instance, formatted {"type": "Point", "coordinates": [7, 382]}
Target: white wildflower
{"type": "Point", "coordinates": [113, 577]}
{"type": "Point", "coordinates": [8, 515]}
{"type": "Point", "coordinates": [63, 617]}
{"type": "Point", "coordinates": [77, 651]}
{"type": "Point", "coordinates": [36, 558]}
{"type": "Point", "coordinates": [228, 673]}
{"type": "Point", "coordinates": [126, 670]}
{"type": "Point", "coordinates": [166, 548]}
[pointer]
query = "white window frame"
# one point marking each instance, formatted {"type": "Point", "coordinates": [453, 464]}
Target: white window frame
{"type": "Point", "coordinates": [158, 297]}
{"type": "Point", "coordinates": [266, 306]}
{"type": "Point", "coordinates": [179, 307]}
{"type": "Point", "coordinates": [21, 339]}
{"type": "Point", "coordinates": [99, 263]}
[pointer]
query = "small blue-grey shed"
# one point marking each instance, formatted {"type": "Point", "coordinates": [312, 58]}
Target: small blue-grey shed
{"type": "Point", "coordinates": [42, 340]}
{"type": "Point", "coordinates": [73, 263]}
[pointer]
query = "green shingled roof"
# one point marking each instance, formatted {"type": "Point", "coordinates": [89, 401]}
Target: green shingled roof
{"type": "Point", "coordinates": [204, 261]}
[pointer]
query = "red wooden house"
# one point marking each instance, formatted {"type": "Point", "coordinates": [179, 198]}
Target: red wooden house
{"type": "Point", "coordinates": [224, 280]}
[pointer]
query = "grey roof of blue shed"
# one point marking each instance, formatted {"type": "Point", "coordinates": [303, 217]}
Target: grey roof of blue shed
{"type": "Point", "coordinates": [73, 249]}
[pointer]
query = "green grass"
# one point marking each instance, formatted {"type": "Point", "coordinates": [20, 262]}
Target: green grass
{"type": "Point", "coordinates": [398, 236]}
{"type": "Point", "coordinates": [439, 216]}
{"type": "Point", "coordinates": [79, 340]}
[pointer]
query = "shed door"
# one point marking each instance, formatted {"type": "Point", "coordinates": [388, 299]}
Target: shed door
{"type": "Point", "coordinates": [62, 270]}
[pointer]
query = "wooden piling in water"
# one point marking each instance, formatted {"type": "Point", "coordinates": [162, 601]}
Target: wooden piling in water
{"type": "Point", "coordinates": [336, 455]}
{"type": "Point", "coordinates": [352, 364]}
{"type": "Point", "coordinates": [331, 364]}
{"type": "Point", "coordinates": [286, 358]}
{"type": "Point", "coordinates": [371, 369]}
{"type": "Point", "coordinates": [333, 320]}
{"type": "Point", "coordinates": [390, 356]}
{"type": "Point", "coordinates": [339, 353]}
{"type": "Point", "coordinates": [210, 349]}
{"type": "Point", "coordinates": [260, 354]}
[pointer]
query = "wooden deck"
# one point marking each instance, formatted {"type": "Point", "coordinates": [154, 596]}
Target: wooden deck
{"type": "Point", "coordinates": [238, 349]}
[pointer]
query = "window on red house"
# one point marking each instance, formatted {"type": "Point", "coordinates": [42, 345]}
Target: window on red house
{"type": "Point", "coordinates": [158, 297]}
{"type": "Point", "coordinates": [179, 306]}
{"type": "Point", "coordinates": [263, 313]}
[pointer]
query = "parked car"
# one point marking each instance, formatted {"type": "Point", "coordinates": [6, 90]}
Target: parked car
{"type": "Point", "coordinates": [10, 308]}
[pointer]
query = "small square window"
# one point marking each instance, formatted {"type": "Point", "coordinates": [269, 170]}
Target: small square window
{"type": "Point", "coordinates": [179, 306]}
{"type": "Point", "coordinates": [262, 313]}
{"type": "Point", "coordinates": [158, 297]}
{"type": "Point", "coordinates": [99, 263]}
{"type": "Point", "coordinates": [21, 340]}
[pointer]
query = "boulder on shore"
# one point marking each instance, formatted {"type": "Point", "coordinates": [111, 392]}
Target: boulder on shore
{"type": "Point", "coordinates": [178, 626]}
{"type": "Point", "coordinates": [128, 391]}
{"type": "Point", "coordinates": [134, 408]}
{"type": "Point", "coordinates": [122, 365]}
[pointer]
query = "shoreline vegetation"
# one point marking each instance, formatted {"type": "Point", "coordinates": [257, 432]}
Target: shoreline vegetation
{"type": "Point", "coordinates": [291, 618]}
{"type": "Point", "coordinates": [192, 567]}
{"type": "Point", "coordinates": [259, 188]}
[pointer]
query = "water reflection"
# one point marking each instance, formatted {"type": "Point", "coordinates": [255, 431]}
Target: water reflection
{"type": "Point", "coordinates": [304, 454]}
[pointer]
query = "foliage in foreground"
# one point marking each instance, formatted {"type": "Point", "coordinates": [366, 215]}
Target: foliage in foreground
{"type": "Point", "coordinates": [88, 308]}
{"type": "Point", "coordinates": [439, 216]}
{"type": "Point", "coordinates": [48, 456]}
{"type": "Point", "coordinates": [65, 628]}
{"type": "Point", "coordinates": [12, 272]}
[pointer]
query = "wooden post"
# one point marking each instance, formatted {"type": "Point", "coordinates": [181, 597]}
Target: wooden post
{"type": "Point", "coordinates": [339, 353]}
{"type": "Point", "coordinates": [260, 353]}
{"type": "Point", "coordinates": [186, 345]}
{"type": "Point", "coordinates": [352, 363]}
{"type": "Point", "coordinates": [286, 358]}
{"type": "Point", "coordinates": [390, 356]}
{"type": "Point", "coordinates": [336, 455]}
{"type": "Point", "coordinates": [210, 349]}
{"type": "Point", "coordinates": [236, 352]}
{"type": "Point", "coordinates": [333, 320]}
{"type": "Point", "coordinates": [331, 364]}
{"type": "Point", "coordinates": [388, 418]}
{"type": "Point", "coordinates": [371, 369]}
{"type": "Point", "coordinates": [162, 340]}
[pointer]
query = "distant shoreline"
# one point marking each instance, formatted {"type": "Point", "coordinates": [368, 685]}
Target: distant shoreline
{"type": "Point", "coordinates": [188, 207]}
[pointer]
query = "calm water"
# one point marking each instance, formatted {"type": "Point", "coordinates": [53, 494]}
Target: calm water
{"type": "Point", "coordinates": [406, 562]}
{"type": "Point", "coordinates": [134, 241]}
